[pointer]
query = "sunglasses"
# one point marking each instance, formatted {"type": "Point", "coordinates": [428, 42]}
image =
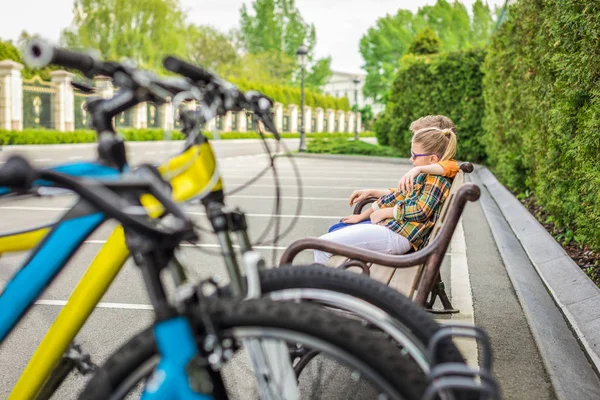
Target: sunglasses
{"type": "Point", "coordinates": [414, 156]}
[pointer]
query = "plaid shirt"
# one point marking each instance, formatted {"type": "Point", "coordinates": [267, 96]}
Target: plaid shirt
{"type": "Point", "coordinates": [415, 214]}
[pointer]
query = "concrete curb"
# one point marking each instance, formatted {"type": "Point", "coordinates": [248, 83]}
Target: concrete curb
{"type": "Point", "coordinates": [554, 293]}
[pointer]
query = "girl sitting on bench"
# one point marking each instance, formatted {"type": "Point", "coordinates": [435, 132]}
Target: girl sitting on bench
{"type": "Point", "coordinates": [401, 220]}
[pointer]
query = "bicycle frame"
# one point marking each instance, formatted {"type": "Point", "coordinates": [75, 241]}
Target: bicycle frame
{"type": "Point", "coordinates": [193, 173]}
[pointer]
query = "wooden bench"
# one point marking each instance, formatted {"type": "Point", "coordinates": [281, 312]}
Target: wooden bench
{"type": "Point", "coordinates": [416, 274]}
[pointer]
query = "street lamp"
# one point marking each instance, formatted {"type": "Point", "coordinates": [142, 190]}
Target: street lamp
{"type": "Point", "coordinates": [302, 54]}
{"type": "Point", "coordinates": [356, 83]}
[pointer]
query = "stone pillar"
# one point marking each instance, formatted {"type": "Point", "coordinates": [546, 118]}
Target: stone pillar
{"type": "Point", "coordinates": [319, 116]}
{"type": "Point", "coordinates": [11, 96]}
{"type": "Point", "coordinates": [278, 108]}
{"type": "Point", "coordinates": [227, 122]}
{"type": "Point", "coordinates": [104, 86]}
{"type": "Point", "coordinates": [211, 125]}
{"type": "Point", "coordinates": [340, 117]}
{"type": "Point", "coordinates": [293, 113]}
{"type": "Point", "coordinates": [330, 116]}
{"type": "Point", "coordinates": [63, 115]}
{"type": "Point", "coordinates": [139, 116]}
{"type": "Point", "coordinates": [307, 119]}
{"type": "Point", "coordinates": [167, 121]}
{"type": "Point", "coordinates": [241, 121]}
{"type": "Point", "coordinates": [350, 122]}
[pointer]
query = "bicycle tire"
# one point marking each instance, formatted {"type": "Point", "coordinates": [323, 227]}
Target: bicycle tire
{"type": "Point", "coordinates": [348, 336]}
{"type": "Point", "coordinates": [408, 313]}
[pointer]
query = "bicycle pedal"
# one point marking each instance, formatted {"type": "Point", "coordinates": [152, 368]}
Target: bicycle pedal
{"type": "Point", "coordinates": [82, 361]}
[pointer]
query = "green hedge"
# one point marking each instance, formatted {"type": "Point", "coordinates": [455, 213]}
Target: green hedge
{"type": "Point", "coordinates": [44, 136]}
{"type": "Point", "coordinates": [342, 144]}
{"type": "Point", "coordinates": [448, 84]}
{"type": "Point", "coordinates": [292, 95]}
{"type": "Point", "coordinates": [542, 93]}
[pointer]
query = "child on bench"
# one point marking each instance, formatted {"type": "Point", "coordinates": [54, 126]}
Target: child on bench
{"type": "Point", "coordinates": [446, 168]}
{"type": "Point", "coordinates": [401, 220]}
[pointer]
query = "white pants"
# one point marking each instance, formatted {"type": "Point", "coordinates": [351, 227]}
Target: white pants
{"type": "Point", "coordinates": [365, 236]}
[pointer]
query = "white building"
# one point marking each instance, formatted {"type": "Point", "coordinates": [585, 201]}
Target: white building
{"type": "Point", "coordinates": [341, 84]}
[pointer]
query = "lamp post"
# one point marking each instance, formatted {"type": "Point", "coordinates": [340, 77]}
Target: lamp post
{"type": "Point", "coordinates": [302, 54]}
{"type": "Point", "coordinates": [356, 83]}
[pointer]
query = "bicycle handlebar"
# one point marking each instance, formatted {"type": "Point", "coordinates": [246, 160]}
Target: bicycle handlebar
{"type": "Point", "coordinates": [38, 53]}
{"type": "Point", "coordinates": [231, 98]}
{"type": "Point", "coordinates": [18, 173]}
{"type": "Point", "coordinates": [188, 70]}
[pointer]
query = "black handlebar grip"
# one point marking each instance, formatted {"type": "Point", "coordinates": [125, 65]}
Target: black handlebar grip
{"type": "Point", "coordinates": [186, 69]}
{"type": "Point", "coordinates": [17, 173]}
{"type": "Point", "coordinates": [39, 53]}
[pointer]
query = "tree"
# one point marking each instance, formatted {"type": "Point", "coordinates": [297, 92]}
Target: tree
{"type": "Point", "coordinates": [385, 43]}
{"type": "Point", "coordinates": [8, 51]}
{"type": "Point", "coordinates": [483, 23]}
{"type": "Point", "coordinates": [278, 26]}
{"type": "Point", "coordinates": [426, 42]}
{"type": "Point", "coordinates": [142, 31]}
{"type": "Point", "coordinates": [270, 67]}
{"type": "Point", "coordinates": [210, 48]}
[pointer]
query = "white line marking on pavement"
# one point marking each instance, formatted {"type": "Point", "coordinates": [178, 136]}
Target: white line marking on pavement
{"type": "Point", "coordinates": [304, 178]}
{"type": "Point", "coordinates": [19, 208]}
{"type": "Point", "coordinates": [203, 245]}
{"type": "Point", "coordinates": [235, 196]}
{"type": "Point", "coordinates": [272, 186]}
{"type": "Point", "coordinates": [462, 296]}
{"type": "Point", "coordinates": [42, 159]}
{"type": "Point", "coordinates": [75, 158]}
{"type": "Point", "coordinates": [282, 215]}
{"type": "Point", "coordinates": [121, 306]}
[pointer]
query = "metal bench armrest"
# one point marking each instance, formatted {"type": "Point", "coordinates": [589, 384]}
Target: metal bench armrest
{"type": "Point", "coordinates": [468, 192]}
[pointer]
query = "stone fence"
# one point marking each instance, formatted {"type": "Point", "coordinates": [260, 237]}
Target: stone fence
{"type": "Point", "coordinates": [56, 105]}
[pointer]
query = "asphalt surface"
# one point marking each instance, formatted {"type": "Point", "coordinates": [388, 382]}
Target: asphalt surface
{"type": "Point", "coordinates": [326, 187]}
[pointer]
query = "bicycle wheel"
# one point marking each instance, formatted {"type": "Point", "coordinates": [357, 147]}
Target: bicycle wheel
{"type": "Point", "coordinates": [353, 362]}
{"type": "Point", "coordinates": [415, 321]}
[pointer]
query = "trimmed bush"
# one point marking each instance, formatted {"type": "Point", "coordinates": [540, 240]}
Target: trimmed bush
{"type": "Point", "coordinates": [542, 119]}
{"type": "Point", "coordinates": [448, 84]}
{"type": "Point", "coordinates": [292, 95]}
{"type": "Point", "coordinates": [44, 136]}
{"type": "Point", "coordinates": [342, 144]}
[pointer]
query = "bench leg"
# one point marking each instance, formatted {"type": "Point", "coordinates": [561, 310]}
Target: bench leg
{"type": "Point", "coordinates": [440, 291]}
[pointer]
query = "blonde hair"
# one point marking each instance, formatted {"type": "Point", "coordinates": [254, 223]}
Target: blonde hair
{"type": "Point", "coordinates": [433, 121]}
{"type": "Point", "coordinates": [441, 142]}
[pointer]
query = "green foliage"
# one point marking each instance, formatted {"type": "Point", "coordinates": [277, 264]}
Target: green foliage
{"type": "Point", "coordinates": [385, 43]}
{"type": "Point", "coordinates": [143, 31]}
{"type": "Point", "coordinates": [448, 84]}
{"type": "Point", "coordinates": [46, 136]}
{"type": "Point", "coordinates": [542, 107]}
{"type": "Point", "coordinates": [210, 48]}
{"type": "Point", "coordinates": [341, 144]}
{"type": "Point", "coordinates": [271, 67]}
{"type": "Point", "coordinates": [8, 51]}
{"type": "Point", "coordinates": [292, 95]}
{"type": "Point", "coordinates": [276, 26]}
{"type": "Point", "coordinates": [426, 42]}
